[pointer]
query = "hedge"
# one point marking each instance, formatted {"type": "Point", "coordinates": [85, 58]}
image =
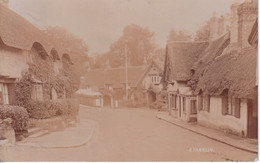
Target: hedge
{"type": "Point", "coordinates": [18, 114]}
{"type": "Point", "coordinates": [52, 108]}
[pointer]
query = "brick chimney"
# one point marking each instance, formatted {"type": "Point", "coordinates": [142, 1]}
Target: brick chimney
{"type": "Point", "coordinates": [4, 3]}
{"type": "Point", "coordinates": [247, 14]}
{"type": "Point", "coordinates": [234, 22]}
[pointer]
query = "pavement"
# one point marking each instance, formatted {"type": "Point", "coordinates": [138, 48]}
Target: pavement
{"type": "Point", "coordinates": [73, 136]}
{"type": "Point", "coordinates": [246, 144]}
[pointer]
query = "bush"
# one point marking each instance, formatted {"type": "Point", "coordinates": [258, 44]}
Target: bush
{"type": "Point", "coordinates": [73, 106]}
{"type": "Point", "coordinates": [49, 109]}
{"type": "Point", "coordinates": [18, 114]}
{"type": "Point", "coordinates": [159, 105]}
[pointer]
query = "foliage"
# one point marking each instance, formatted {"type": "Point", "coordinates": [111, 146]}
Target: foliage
{"type": "Point", "coordinates": [42, 69]}
{"type": "Point", "coordinates": [75, 47]}
{"type": "Point", "coordinates": [159, 54]}
{"type": "Point", "coordinates": [202, 33]}
{"type": "Point", "coordinates": [140, 46]}
{"type": "Point", "coordinates": [99, 61]}
{"type": "Point", "coordinates": [178, 36]}
{"type": "Point", "coordinates": [18, 114]}
{"type": "Point", "coordinates": [161, 102]}
{"type": "Point", "coordinates": [52, 108]}
{"type": "Point", "coordinates": [23, 90]}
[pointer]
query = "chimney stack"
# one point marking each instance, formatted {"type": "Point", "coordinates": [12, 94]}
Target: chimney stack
{"type": "Point", "coordinates": [234, 22]}
{"type": "Point", "coordinates": [247, 14]}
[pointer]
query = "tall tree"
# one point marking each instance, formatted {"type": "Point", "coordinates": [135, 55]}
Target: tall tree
{"type": "Point", "coordinates": [202, 33]}
{"type": "Point", "coordinates": [140, 45]}
{"type": "Point", "coordinates": [178, 36]}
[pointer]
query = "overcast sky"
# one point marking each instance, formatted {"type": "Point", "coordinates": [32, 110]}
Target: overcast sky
{"type": "Point", "coordinates": [101, 22]}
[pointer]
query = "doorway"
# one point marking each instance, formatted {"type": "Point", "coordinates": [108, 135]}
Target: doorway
{"type": "Point", "coordinates": [252, 119]}
{"type": "Point", "coordinates": [107, 101]}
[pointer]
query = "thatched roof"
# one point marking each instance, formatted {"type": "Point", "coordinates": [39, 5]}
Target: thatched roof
{"type": "Point", "coordinates": [17, 32]}
{"type": "Point", "coordinates": [214, 50]}
{"type": "Point", "coordinates": [235, 71]}
{"type": "Point", "coordinates": [253, 37]}
{"type": "Point", "coordinates": [180, 57]}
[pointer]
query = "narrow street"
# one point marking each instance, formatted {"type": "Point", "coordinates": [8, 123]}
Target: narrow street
{"type": "Point", "coordinates": [132, 135]}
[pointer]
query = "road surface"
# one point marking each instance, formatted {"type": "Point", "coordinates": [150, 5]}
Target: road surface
{"type": "Point", "coordinates": [133, 135]}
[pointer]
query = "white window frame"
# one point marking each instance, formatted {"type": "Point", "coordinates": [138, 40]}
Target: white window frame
{"type": "Point", "coordinates": [5, 93]}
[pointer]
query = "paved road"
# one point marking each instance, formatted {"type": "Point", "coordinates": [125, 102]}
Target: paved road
{"type": "Point", "coordinates": [134, 135]}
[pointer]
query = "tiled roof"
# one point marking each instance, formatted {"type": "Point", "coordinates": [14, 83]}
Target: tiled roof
{"type": "Point", "coordinates": [116, 77]}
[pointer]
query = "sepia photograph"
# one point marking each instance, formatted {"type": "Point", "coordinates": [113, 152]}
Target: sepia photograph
{"type": "Point", "coordinates": [128, 80]}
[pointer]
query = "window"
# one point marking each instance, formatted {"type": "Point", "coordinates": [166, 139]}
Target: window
{"type": "Point", "coordinates": [4, 94]}
{"type": "Point", "coordinates": [97, 102]}
{"type": "Point", "coordinates": [230, 105]}
{"type": "Point", "coordinates": [108, 86]}
{"type": "Point", "coordinates": [37, 93]}
{"type": "Point", "coordinates": [155, 79]}
{"type": "Point", "coordinates": [184, 105]}
{"type": "Point", "coordinates": [173, 101]}
{"type": "Point", "coordinates": [200, 102]}
{"type": "Point", "coordinates": [206, 103]}
{"type": "Point", "coordinates": [88, 87]}
{"type": "Point", "coordinates": [234, 108]}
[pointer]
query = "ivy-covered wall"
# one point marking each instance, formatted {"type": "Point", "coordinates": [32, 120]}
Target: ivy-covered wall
{"type": "Point", "coordinates": [41, 68]}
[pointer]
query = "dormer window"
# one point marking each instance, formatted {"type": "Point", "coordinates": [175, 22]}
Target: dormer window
{"type": "Point", "coordinates": [155, 79]}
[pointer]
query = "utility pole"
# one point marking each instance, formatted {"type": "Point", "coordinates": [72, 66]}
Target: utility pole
{"type": "Point", "coordinates": [126, 75]}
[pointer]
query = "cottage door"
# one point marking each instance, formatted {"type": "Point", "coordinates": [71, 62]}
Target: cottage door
{"type": "Point", "coordinates": [252, 119]}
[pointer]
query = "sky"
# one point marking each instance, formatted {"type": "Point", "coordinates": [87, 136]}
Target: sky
{"type": "Point", "coordinates": [101, 22]}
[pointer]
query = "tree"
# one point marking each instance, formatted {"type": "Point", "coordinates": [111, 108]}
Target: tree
{"type": "Point", "coordinates": [140, 45]}
{"type": "Point", "coordinates": [159, 54]}
{"type": "Point", "coordinates": [99, 61]}
{"type": "Point", "coordinates": [202, 33]}
{"type": "Point", "coordinates": [178, 36]}
{"type": "Point", "coordinates": [75, 47]}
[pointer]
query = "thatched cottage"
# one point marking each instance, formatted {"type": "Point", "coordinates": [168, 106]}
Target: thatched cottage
{"type": "Point", "coordinates": [20, 44]}
{"type": "Point", "coordinates": [223, 77]}
{"type": "Point", "coordinates": [179, 59]}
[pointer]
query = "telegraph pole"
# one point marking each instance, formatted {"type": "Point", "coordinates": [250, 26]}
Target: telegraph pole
{"type": "Point", "coordinates": [126, 75]}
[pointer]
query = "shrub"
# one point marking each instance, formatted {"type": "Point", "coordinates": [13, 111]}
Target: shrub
{"type": "Point", "coordinates": [53, 108]}
{"type": "Point", "coordinates": [38, 109]}
{"type": "Point", "coordinates": [159, 105]}
{"type": "Point", "coordinates": [73, 106]}
{"type": "Point", "coordinates": [18, 114]}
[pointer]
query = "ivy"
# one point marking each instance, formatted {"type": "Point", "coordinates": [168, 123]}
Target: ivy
{"type": "Point", "coordinates": [43, 70]}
